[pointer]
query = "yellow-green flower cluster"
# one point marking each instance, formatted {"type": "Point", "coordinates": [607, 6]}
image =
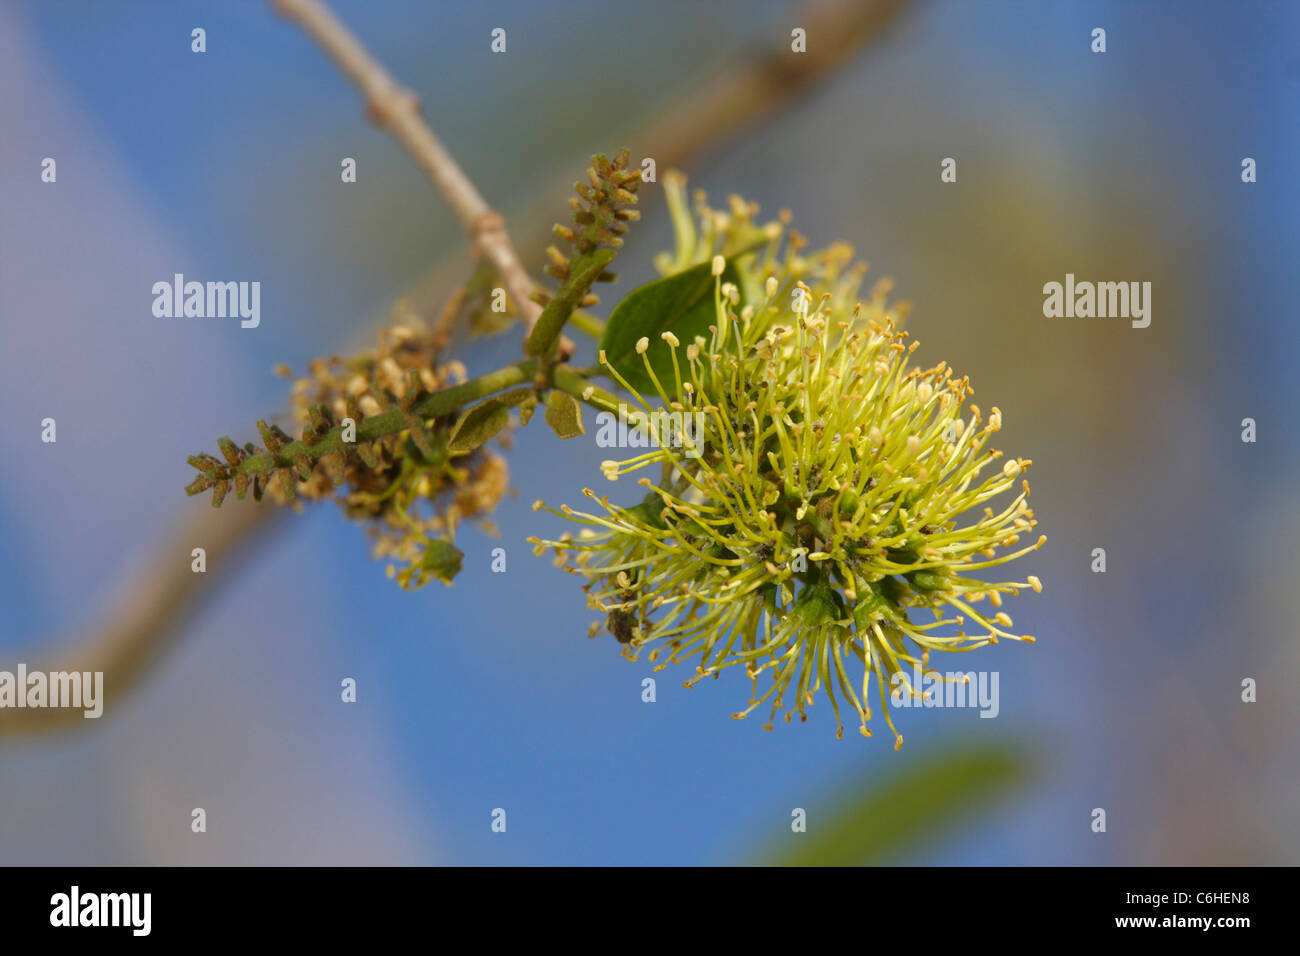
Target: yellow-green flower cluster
{"type": "Point", "coordinates": [825, 537]}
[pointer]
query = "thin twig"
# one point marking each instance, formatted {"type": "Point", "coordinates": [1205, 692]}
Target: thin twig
{"type": "Point", "coordinates": [396, 109]}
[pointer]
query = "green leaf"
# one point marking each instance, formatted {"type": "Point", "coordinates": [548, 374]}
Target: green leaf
{"type": "Point", "coordinates": [681, 303]}
{"type": "Point", "coordinates": [873, 820]}
{"type": "Point", "coordinates": [441, 559]}
{"type": "Point", "coordinates": [479, 425]}
{"type": "Point", "coordinates": [564, 415]}
{"type": "Point", "coordinates": [525, 399]}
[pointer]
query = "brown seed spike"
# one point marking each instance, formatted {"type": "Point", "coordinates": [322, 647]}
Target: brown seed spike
{"type": "Point", "coordinates": [410, 392]}
{"type": "Point", "coordinates": [303, 464]}
{"type": "Point", "coordinates": [589, 299]}
{"type": "Point", "coordinates": [200, 484]}
{"type": "Point", "coordinates": [241, 484]}
{"type": "Point", "coordinates": [622, 157]}
{"type": "Point", "coordinates": [259, 486]}
{"type": "Point", "coordinates": [319, 418]}
{"type": "Point", "coordinates": [565, 233]}
{"type": "Point", "coordinates": [367, 454]}
{"type": "Point", "coordinates": [286, 483]}
{"type": "Point", "coordinates": [334, 465]}
{"type": "Point", "coordinates": [219, 493]}
{"type": "Point", "coordinates": [268, 437]}
{"type": "Point", "coordinates": [420, 436]}
{"type": "Point", "coordinates": [230, 450]}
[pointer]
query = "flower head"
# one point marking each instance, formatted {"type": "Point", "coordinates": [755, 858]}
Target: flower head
{"type": "Point", "coordinates": [840, 494]}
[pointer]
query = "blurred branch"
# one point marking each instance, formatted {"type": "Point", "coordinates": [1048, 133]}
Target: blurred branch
{"type": "Point", "coordinates": [766, 80]}
{"type": "Point", "coordinates": [161, 598]}
{"type": "Point", "coordinates": [754, 88]}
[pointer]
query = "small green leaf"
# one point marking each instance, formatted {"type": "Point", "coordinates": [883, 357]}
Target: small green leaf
{"type": "Point", "coordinates": [518, 396]}
{"type": "Point", "coordinates": [525, 399]}
{"type": "Point", "coordinates": [479, 425]}
{"type": "Point", "coordinates": [681, 303]}
{"type": "Point", "coordinates": [440, 559]}
{"type": "Point", "coordinates": [564, 415]}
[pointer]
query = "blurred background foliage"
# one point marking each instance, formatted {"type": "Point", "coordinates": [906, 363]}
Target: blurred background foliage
{"type": "Point", "coordinates": [1122, 166]}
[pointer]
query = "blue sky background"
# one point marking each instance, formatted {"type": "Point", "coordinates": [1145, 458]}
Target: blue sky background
{"type": "Point", "coordinates": [225, 166]}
